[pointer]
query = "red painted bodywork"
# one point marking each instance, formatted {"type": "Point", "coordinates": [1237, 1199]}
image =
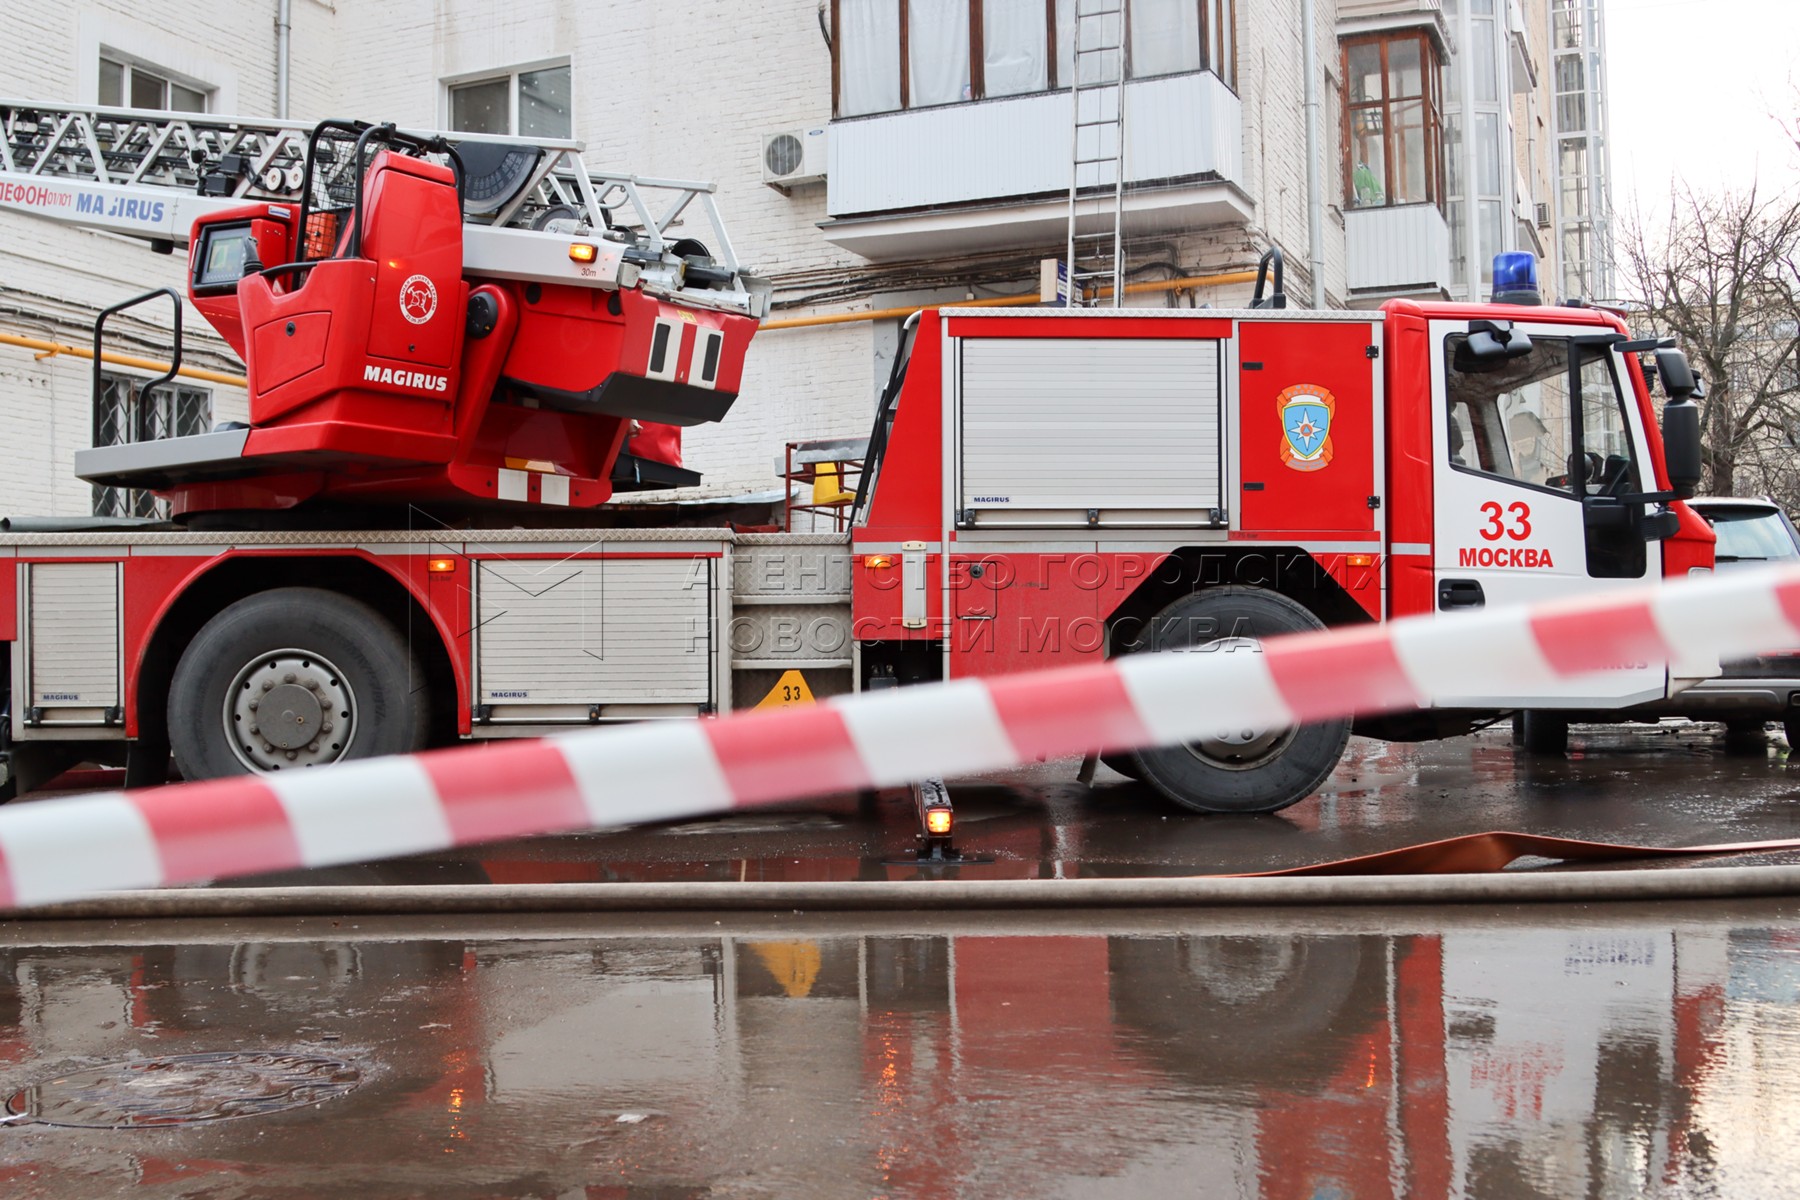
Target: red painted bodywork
{"type": "Point", "coordinates": [313, 336]}
{"type": "Point", "coordinates": [1046, 616]}
{"type": "Point", "coordinates": [907, 504]}
{"type": "Point", "coordinates": [366, 384]}
{"type": "Point", "coordinates": [1406, 366]}
{"type": "Point", "coordinates": [657, 442]}
{"type": "Point", "coordinates": [1377, 490]}
{"type": "Point", "coordinates": [997, 611]}
{"type": "Point", "coordinates": [153, 583]}
{"type": "Point", "coordinates": [909, 495]}
{"type": "Point", "coordinates": [1693, 544]}
{"type": "Point", "coordinates": [9, 601]}
{"type": "Point", "coordinates": [1028, 611]}
{"type": "Point", "coordinates": [1274, 497]}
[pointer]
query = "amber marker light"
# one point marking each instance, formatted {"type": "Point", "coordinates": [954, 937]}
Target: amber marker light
{"type": "Point", "coordinates": [876, 562]}
{"type": "Point", "coordinates": [441, 566]}
{"type": "Point", "coordinates": [581, 252]}
{"type": "Point", "coordinates": [938, 821]}
{"type": "Point", "coordinates": [1360, 560]}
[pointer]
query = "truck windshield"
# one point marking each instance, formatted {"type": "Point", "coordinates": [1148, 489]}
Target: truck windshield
{"type": "Point", "coordinates": [1520, 419]}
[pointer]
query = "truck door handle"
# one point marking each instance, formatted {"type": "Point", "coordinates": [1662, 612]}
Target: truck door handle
{"type": "Point", "coordinates": [1460, 593]}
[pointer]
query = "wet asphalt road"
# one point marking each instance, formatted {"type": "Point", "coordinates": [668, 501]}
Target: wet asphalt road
{"type": "Point", "coordinates": [1667, 785]}
{"type": "Point", "coordinates": [1591, 1050]}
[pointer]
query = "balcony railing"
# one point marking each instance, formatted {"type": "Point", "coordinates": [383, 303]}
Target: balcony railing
{"type": "Point", "coordinates": [1398, 251]}
{"type": "Point", "coordinates": [897, 181]}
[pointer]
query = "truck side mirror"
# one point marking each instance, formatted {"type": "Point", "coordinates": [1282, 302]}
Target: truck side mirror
{"type": "Point", "coordinates": [1681, 442]}
{"type": "Point", "coordinates": [1660, 525]}
{"type": "Point", "coordinates": [1676, 375]}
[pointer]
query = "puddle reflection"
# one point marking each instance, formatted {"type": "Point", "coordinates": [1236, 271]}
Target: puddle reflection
{"type": "Point", "coordinates": [1566, 1059]}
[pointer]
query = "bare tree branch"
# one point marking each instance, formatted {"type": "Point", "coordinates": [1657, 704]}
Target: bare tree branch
{"type": "Point", "coordinates": [1723, 277]}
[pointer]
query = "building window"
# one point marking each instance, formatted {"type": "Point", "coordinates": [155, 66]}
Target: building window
{"type": "Point", "coordinates": [1171, 37]}
{"type": "Point", "coordinates": [125, 83]}
{"type": "Point", "coordinates": [1394, 125]}
{"type": "Point", "coordinates": [526, 103]}
{"type": "Point", "coordinates": [124, 413]}
{"type": "Point", "coordinates": [896, 54]}
{"type": "Point", "coordinates": [1016, 38]}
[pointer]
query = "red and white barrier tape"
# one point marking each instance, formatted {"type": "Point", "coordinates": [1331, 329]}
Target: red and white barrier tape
{"type": "Point", "coordinates": [62, 849]}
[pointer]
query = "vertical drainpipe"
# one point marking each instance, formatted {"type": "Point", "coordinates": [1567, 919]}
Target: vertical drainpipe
{"type": "Point", "coordinates": [1465, 37]}
{"type": "Point", "coordinates": [1602, 272]}
{"type": "Point", "coordinates": [1315, 198]}
{"type": "Point", "coordinates": [284, 12]}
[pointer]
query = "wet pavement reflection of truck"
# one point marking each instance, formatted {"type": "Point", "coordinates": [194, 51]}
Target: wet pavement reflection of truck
{"type": "Point", "coordinates": [1270, 1055]}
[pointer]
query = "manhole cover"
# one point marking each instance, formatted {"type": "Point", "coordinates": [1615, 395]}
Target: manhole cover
{"type": "Point", "coordinates": [182, 1089]}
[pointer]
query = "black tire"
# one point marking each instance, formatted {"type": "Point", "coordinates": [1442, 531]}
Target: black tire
{"type": "Point", "coordinates": [1791, 727]}
{"type": "Point", "coordinates": [1746, 737]}
{"type": "Point", "coordinates": [1215, 1008]}
{"type": "Point", "coordinates": [1267, 771]}
{"type": "Point", "coordinates": [337, 669]}
{"type": "Point", "coordinates": [1545, 733]}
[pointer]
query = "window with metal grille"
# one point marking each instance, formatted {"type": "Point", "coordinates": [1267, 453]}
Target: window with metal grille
{"type": "Point", "coordinates": [124, 412]}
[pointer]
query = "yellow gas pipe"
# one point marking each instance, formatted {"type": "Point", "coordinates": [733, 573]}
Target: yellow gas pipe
{"type": "Point", "coordinates": [878, 314]}
{"type": "Point", "coordinates": [52, 349]}
{"type": "Point", "coordinates": [48, 349]}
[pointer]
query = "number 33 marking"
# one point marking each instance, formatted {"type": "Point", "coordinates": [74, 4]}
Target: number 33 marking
{"type": "Point", "coordinates": [1496, 528]}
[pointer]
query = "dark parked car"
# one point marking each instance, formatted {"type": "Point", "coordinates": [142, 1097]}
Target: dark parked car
{"type": "Point", "coordinates": [1748, 693]}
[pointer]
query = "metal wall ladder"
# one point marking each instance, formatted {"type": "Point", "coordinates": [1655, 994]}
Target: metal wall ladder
{"type": "Point", "coordinates": [1095, 255]}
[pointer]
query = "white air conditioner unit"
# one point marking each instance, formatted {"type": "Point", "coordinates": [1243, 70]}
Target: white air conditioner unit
{"type": "Point", "coordinates": [793, 157]}
{"type": "Point", "coordinates": [1543, 215]}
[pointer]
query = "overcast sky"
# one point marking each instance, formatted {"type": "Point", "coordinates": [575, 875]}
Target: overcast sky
{"type": "Point", "coordinates": [1693, 85]}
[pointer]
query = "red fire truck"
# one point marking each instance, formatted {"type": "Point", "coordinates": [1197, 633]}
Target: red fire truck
{"type": "Point", "coordinates": [446, 345]}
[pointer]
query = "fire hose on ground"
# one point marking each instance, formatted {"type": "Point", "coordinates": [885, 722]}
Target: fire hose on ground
{"type": "Point", "coordinates": [62, 852]}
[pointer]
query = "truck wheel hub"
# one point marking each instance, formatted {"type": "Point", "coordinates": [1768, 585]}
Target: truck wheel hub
{"type": "Point", "coordinates": [291, 716]}
{"type": "Point", "coordinates": [291, 708]}
{"type": "Point", "coordinates": [1243, 747]}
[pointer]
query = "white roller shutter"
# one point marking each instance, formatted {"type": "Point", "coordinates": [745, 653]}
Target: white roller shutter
{"type": "Point", "coordinates": [595, 632]}
{"type": "Point", "coordinates": [1055, 429]}
{"type": "Point", "coordinates": [73, 640]}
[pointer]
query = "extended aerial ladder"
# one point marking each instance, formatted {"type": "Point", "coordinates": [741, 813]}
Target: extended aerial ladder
{"type": "Point", "coordinates": [506, 316]}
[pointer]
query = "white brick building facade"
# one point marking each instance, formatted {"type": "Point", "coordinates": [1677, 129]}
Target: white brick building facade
{"type": "Point", "coordinates": [688, 89]}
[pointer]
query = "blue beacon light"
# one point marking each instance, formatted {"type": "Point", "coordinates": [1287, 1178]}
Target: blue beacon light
{"type": "Point", "coordinates": [1516, 278]}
